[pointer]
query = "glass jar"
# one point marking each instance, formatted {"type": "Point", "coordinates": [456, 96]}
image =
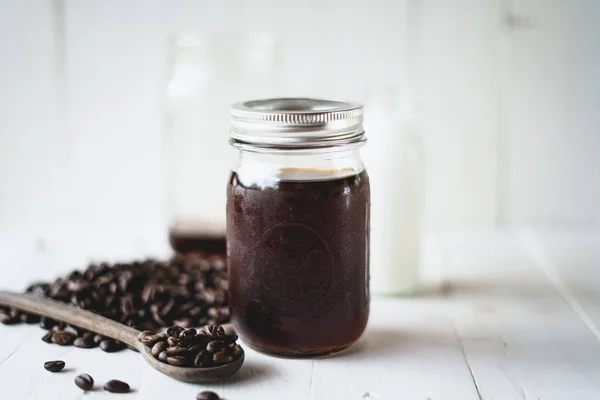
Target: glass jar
{"type": "Point", "coordinates": [205, 74]}
{"type": "Point", "coordinates": [298, 210]}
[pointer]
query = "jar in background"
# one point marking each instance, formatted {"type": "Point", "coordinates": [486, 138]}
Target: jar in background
{"type": "Point", "coordinates": [396, 159]}
{"type": "Point", "coordinates": [298, 209]}
{"type": "Point", "coordinates": [205, 74]}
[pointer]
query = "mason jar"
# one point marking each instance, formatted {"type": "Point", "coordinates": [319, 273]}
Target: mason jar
{"type": "Point", "coordinates": [298, 210]}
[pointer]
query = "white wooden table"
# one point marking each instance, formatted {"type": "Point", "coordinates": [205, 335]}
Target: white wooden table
{"type": "Point", "coordinates": [518, 319]}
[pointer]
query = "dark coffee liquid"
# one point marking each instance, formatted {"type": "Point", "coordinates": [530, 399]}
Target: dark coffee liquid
{"type": "Point", "coordinates": [298, 263]}
{"type": "Point", "coordinates": [191, 237]}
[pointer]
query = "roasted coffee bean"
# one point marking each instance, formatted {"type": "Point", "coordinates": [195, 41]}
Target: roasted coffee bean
{"type": "Point", "coordinates": [235, 351]}
{"type": "Point", "coordinates": [201, 340]}
{"type": "Point", "coordinates": [47, 323]}
{"type": "Point", "coordinates": [84, 344]}
{"type": "Point", "coordinates": [173, 341]}
{"type": "Point", "coordinates": [111, 346]}
{"type": "Point", "coordinates": [222, 358]}
{"type": "Point", "coordinates": [63, 338]}
{"type": "Point", "coordinates": [207, 395]}
{"type": "Point", "coordinates": [59, 327]}
{"type": "Point", "coordinates": [116, 386]}
{"type": "Point", "coordinates": [84, 382]}
{"type": "Point", "coordinates": [203, 359]}
{"type": "Point", "coordinates": [186, 337]}
{"type": "Point", "coordinates": [159, 320]}
{"type": "Point", "coordinates": [74, 331]}
{"type": "Point", "coordinates": [98, 339]}
{"type": "Point", "coordinates": [30, 318]}
{"type": "Point", "coordinates": [215, 331]}
{"type": "Point", "coordinates": [163, 356]}
{"type": "Point", "coordinates": [176, 350]}
{"type": "Point", "coordinates": [168, 308]}
{"type": "Point", "coordinates": [215, 345]}
{"type": "Point", "coordinates": [174, 331]}
{"type": "Point", "coordinates": [39, 289]}
{"type": "Point", "coordinates": [47, 337]}
{"type": "Point", "coordinates": [7, 319]}
{"type": "Point", "coordinates": [177, 361]}
{"type": "Point", "coordinates": [184, 322]}
{"type": "Point", "coordinates": [213, 312]}
{"type": "Point", "coordinates": [149, 339]}
{"type": "Point", "coordinates": [54, 366]}
{"type": "Point", "coordinates": [159, 348]}
{"type": "Point", "coordinates": [195, 349]}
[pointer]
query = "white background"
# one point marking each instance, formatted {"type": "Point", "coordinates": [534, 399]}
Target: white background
{"type": "Point", "coordinates": [508, 94]}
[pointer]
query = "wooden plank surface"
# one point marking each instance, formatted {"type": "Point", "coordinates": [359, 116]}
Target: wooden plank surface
{"type": "Point", "coordinates": [502, 329]}
{"type": "Point", "coordinates": [521, 339]}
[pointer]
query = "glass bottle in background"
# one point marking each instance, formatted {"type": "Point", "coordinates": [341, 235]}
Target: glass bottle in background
{"type": "Point", "coordinates": [205, 75]}
{"type": "Point", "coordinates": [395, 157]}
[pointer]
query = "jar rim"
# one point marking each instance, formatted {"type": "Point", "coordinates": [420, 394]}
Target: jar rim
{"type": "Point", "coordinates": [296, 123]}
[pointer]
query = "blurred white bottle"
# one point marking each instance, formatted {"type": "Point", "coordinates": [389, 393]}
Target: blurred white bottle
{"type": "Point", "coordinates": [395, 159]}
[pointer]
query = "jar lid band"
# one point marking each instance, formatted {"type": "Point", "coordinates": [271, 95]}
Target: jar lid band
{"type": "Point", "coordinates": [296, 122]}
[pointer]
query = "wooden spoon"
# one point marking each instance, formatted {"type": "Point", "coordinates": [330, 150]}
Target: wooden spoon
{"type": "Point", "coordinates": [106, 327]}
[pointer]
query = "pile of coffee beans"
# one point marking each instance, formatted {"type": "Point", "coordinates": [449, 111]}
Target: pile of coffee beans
{"type": "Point", "coordinates": [188, 290]}
{"type": "Point", "coordinates": [209, 347]}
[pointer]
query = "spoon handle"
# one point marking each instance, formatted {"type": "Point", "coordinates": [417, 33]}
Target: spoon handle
{"type": "Point", "coordinates": [71, 315]}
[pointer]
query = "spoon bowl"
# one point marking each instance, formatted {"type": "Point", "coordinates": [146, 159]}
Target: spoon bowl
{"type": "Point", "coordinates": [114, 330]}
{"type": "Point", "coordinates": [193, 375]}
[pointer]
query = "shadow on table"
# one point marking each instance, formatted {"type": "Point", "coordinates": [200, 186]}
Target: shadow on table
{"type": "Point", "coordinates": [252, 371]}
{"type": "Point", "coordinates": [379, 342]}
{"type": "Point", "coordinates": [495, 288]}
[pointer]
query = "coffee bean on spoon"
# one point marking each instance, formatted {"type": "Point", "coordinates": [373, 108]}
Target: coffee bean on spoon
{"type": "Point", "coordinates": [203, 359]}
{"type": "Point", "coordinates": [178, 361]}
{"type": "Point", "coordinates": [159, 348]}
{"type": "Point", "coordinates": [215, 346]}
{"type": "Point", "coordinates": [236, 350]}
{"type": "Point", "coordinates": [84, 382]}
{"type": "Point", "coordinates": [148, 338]}
{"type": "Point", "coordinates": [174, 331]}
{"type": "Point", "coordinates": [116, 386]}
{"type": "Point", "coordinates": [173, 341]}
{"type": "Point", "coordinates": [54, 366]}
{"type": "Point", "coordinates": [222, 358]}
{"type": "Point", "coordinates": [163, 356]}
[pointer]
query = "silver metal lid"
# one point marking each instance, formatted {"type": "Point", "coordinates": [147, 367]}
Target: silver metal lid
{"type": "Point", "coordinates": [296, 123]}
